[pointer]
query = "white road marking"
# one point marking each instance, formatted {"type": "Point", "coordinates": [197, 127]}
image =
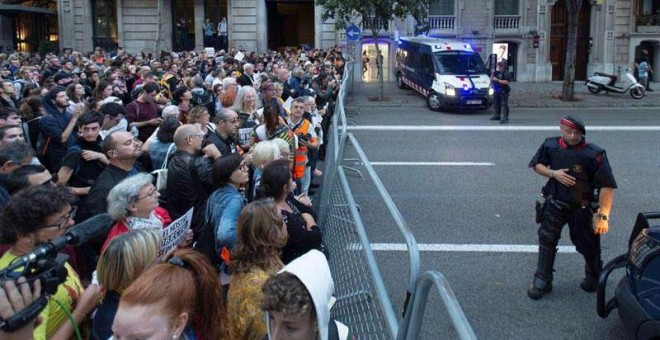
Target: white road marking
{"type": "Point", "coordinates": [436, 163]}
{"type": "Point", "coordinates": [477, 248]}
{"type": "Point", "coordinates": [491, 128]}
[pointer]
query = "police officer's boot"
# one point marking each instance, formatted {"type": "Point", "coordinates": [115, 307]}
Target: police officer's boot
{"type": "Point", "coordinates": [592, 267]}
{"type": "Point", "coordinates": [542, 282]}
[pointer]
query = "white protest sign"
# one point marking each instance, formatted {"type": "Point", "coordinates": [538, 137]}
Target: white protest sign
{"type": "Point", "coordinates": [209, 51]}
{"type": "Point", "coordinates": [239, 56]}
{"type": "Point", "coordinates": [174, 234]}
{"type": "Point", "coordinates": [245, 135]}
{"type": "Point", "coordinates": [287, 103]}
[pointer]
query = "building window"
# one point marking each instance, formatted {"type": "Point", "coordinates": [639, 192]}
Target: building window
{"type": "Point", "coordinates": [507, 7]}
{"type": "Point", "coordinates": [441, 7]}
{"type": "Point", "coordinates": [104, 14]}
{"type": "Point", "coordinates": [35, 32]}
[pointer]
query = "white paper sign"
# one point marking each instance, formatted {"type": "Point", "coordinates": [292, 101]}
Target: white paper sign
{"type": "Point", "coordinates": [209, 51]}
{"type": "Point", "coordinates": [239, 56]}
{"type": "Point", "coordinates": [287, 103]}
{"type": "Point", "coordinates": [174, 234]}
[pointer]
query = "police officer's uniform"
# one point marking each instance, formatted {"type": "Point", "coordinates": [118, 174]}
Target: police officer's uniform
{"type": "Point", "coordinates": [501, 100]}
{"type": "Point", "coordinates": [574, 205]}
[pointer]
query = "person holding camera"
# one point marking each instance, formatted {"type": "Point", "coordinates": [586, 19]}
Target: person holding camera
{"type": "Point", "coordinates": [500, 81]}
{"type": "Point", "coordinates": [304, 130]}
{"type": "Point", "coordinates": [32, 218]}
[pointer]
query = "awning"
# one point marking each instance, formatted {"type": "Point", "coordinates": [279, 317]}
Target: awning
{"type": "Point", "coordinates": [25, 9]}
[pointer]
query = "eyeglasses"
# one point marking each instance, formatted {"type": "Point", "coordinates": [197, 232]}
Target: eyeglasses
{"type": "Point", "coordinates": [200, 135]}
{"type": "Point", "coordinates": [62, 223]}
{"type": "Point", "coordinates": [152, 191]}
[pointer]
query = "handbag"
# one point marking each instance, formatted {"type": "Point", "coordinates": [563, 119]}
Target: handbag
{"type": "Point", "coordinates": [161, 174]}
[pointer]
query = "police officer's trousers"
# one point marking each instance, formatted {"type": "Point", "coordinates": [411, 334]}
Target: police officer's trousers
{"type": "Point", "coordinates": [502, 104]}
{"type": "Point", "coordinates": [579, 219]}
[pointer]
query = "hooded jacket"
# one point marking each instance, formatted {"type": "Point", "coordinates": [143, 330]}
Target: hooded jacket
{"type": "Point", "coordinates": [313, 271]}
{"type": "Point", "coordinates": [53, 125]}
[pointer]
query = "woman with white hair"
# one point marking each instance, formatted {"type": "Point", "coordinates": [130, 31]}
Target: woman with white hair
{"type": "Point", "coordinates": [263, 153]}
{"type": "Point", "coordinates": [245, 106]}
{"type": "Point", "coordinates": [133, 204]}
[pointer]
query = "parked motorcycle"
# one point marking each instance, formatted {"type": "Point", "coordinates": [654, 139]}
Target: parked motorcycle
{"type": "Point", "coordinates": [637, 295]}
{"type": "Point", "coordinates": [607, 82]}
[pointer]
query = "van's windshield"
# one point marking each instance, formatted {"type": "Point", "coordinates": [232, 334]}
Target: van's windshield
{"type": "Point", "coordinates": [459, 63]}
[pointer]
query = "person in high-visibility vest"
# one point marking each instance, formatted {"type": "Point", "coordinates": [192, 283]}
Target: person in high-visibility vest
{"type": "Point", "coordinates": [307, 138]}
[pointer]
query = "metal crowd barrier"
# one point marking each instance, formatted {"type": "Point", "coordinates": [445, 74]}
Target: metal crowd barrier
{"type": "Point", "coordinates": [362, 299]}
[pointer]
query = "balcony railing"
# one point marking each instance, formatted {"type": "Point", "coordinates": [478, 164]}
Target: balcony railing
{"type": "Point", "coordinates": [506, 23]}
{"type": "Point", "coordinates": [369, 23]}
{"type": "Point", "coordinates": [647, 23]}
{"type": "Point", "coordinates": [442, 22]}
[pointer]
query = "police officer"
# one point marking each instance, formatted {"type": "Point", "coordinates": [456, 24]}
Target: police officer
{"type": "Point", "coordinates": [579, 192]}
{"type": "Point", "coordinates": [500, 80]}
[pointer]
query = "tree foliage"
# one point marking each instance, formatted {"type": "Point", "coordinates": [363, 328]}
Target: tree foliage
{"type": "Point", "coordinates": [344, 12]}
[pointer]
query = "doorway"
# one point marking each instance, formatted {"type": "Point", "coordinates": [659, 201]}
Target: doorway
{"type": "Point", "coordinates": [369, 66]}
{"type": "Point", "coordinates": [507, 51]}
{"type": "Point", "coordinates": [290, 24]}
{"type": "Point", "coordinates": [183, 40]}
{"type": "Point", "coordinates": [559, 37]}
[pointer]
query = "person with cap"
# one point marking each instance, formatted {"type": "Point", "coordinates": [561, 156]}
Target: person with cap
{"type": "Point", "coordinates": [63, 78]}
{"type": "Point", "coordinates": [500, 81]}
{"type": "Point", "coordinates": [268, 95]}
{"type": "Point", "coordinates": [579, 192]}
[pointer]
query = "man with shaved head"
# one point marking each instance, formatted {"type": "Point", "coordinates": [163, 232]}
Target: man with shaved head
{"type": "Point", "coordinates": [189, 174]}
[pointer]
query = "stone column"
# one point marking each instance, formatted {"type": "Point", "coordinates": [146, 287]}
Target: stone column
{"type": "Point", "coordinates": [262, 26]}
{"type": "Point", "coordinates": [318, 26]}
{"type": "Point", "coordinates": [198, 21]}
{"type": "Point", "coordinates": [65, 24]}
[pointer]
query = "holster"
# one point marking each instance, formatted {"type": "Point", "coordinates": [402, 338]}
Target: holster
{"type": "Point", "coordinates": [539, 211]}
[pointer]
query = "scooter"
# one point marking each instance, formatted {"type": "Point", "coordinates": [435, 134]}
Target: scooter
{"type": "Point", "coordinates": [607, 82]}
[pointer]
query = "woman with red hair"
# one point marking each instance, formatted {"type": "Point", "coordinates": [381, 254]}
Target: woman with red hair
{"type": "Point", "coordinates": [177, 299]}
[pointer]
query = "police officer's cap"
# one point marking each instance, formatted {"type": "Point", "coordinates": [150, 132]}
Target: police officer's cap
{"type": "Point", "coordinates": [573, 123]}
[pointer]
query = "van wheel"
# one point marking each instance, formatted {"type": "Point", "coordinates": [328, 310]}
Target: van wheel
{"type": "Point", "coordinates": [433, 101]}
{"type": "Point", "coordinates": [399, 82]}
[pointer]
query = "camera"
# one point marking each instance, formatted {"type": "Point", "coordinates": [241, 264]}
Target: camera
{"type": "Point", "coordinates": [306, 137]}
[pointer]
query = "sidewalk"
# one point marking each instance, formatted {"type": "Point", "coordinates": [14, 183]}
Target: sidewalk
{"type": "Point", "coordinates": [523, 95]}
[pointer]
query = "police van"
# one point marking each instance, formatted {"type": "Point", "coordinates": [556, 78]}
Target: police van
{"type": "Point", "coordinates": [447, 72]}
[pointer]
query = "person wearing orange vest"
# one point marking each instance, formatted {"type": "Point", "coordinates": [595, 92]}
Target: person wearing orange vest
{"type": "Point", "coordinates": [307, 138]}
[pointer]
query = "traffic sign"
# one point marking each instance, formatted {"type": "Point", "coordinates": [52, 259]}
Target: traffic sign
{"type": "Point", "coordinates": [353, 33]}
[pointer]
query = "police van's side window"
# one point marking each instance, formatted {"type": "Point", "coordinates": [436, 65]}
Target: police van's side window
{"type": "Point", "coordinates": [427, 66]}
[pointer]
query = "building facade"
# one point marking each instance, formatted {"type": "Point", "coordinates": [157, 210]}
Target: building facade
{"type": "Point", "coordinates": [530, 35]}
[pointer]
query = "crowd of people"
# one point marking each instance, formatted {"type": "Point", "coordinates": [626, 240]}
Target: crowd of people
{"type": "Point", "coordinates": [225, 143]}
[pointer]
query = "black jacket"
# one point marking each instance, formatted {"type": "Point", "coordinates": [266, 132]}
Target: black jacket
{"type": "Point", "coordinates": [225, 146]}
{"type": "Point", "coordinates": [97, 200]}
{"type": "Point", "coordinates": [245, 80]}
{"type": "Point", "coordinates": [189, 185]}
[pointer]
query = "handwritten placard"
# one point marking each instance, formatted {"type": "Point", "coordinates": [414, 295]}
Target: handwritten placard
{"type": "Point", "coordinates": [175, 233]}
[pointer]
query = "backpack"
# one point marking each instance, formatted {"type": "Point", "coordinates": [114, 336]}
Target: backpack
{"type": "Point", "coordinates": [200, 99]}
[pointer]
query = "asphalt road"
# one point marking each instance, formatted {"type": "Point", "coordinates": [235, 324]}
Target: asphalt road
{"type": "Point", "coordinates": [492, 203]}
